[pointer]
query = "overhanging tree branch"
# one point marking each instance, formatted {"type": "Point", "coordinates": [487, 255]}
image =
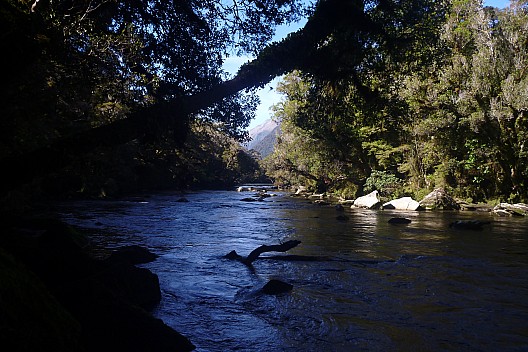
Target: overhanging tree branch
{"type": "Point", "coordinates": [297, 51]}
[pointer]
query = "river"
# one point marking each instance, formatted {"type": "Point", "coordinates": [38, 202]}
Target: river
{"type": "Point", "coordinates": [378, 287]}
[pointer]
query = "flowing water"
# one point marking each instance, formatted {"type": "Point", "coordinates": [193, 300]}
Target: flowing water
{"type": "Point", "coordinates": [376, 286]}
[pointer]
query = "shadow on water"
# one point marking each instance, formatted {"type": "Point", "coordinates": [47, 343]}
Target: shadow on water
{"type": "Point", "coordinates": [374, 286]}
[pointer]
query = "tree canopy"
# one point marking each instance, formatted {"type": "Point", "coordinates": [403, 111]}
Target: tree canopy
{"type": "Point", "coordinates": [390, 85]}
{"type": "Point", "coordinates": [442, 104]}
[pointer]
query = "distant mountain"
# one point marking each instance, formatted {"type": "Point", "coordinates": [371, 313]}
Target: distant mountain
{"type": "Point", "coordinates": [263, 138]}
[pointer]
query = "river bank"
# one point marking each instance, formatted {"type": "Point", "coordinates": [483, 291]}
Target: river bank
{"type": "Point", "coordinates": [56, 297]}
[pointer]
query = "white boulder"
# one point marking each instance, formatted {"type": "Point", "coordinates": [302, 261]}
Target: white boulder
{"type": "Point", "coordinates": [370, 201]}
{"type": "Point", "coordinates": [404, 203]}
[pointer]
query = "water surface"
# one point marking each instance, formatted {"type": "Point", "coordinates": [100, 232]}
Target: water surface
{"type": "Point", "coordinates": [377, 287]}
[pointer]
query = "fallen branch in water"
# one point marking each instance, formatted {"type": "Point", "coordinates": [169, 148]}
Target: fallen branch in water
{"type": "Point", "coordinates": [283, 247]}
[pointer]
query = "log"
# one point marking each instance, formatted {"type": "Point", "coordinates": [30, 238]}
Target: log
{"type": "Point", "coordinates": [283, 247]}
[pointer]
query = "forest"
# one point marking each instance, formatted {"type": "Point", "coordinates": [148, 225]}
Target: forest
{"type": "Point", "coordinates": [449, 111]}
{"type": "Point", "coordinates": [102, 98]}
{"type": "Point", "coordinates": [107, 99]}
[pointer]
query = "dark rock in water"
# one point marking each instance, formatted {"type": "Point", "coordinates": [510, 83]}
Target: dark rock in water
{"type": "Point", "coordinates": [113, 324]}
{"type": "Point", "coordinates": [468, 224]}
{"type": "Point", "coordinates": [339, 207]}
{"type": "Point", "coordinates": [107, 299]}
{"type": "Point", "coordinates": [182, 200]}
{"type": "Point", "coordinates": [232, 255]}
{"type": "Point", "coordinates": [249, 199]}
{"type": "Point", "coordinates": [275, 287]}
{"type": "Point", "coordinates": [133, 254]}
{"type": "Point", "coordinates": [399, 221]}
{"type": "Point", "coordinates": [342, 218]}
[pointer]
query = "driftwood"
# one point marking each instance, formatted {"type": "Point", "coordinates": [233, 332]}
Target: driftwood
{"type": "Point", "coordinates": [283, 247]}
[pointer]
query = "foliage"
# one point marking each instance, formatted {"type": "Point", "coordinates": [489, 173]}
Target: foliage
{"type": "Point", "coordinates": [70, 66]}
{"type": "Point", "coordinates": [384, 182]}
{"type": "Point", "coordinates": [442, 103]}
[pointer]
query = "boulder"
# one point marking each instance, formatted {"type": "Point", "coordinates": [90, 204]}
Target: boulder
{"type": "Point", "coordinates": [506, 209]}
{"type": "Point", "coordinates": [132, 254]}
{"type": "Point", "coordinates": [138, 286]}
{"type": "Point", "coordinates": [370, 201]}
{"type": "Point", "coordinates": [439, 199]}
{"type": "Point", "coordinates": [404, 203]}
{"type": "Point", "coordinates": [468, 224]}
{"type": "Point", "coordinates": [275, 287]}
{"type": "Point", "coordinates": [502, 213]}
{"type": "Point", "coordinates": [399, 221]}
{"type": "Point", "coordinates": [249, 199]}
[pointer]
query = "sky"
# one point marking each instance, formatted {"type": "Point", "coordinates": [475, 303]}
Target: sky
{"type": "Point", "coordinates": [268, 95]}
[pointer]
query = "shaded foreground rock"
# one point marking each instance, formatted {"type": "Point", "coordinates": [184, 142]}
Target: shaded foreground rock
{"type": "Point", "coordinates": [105, 300]}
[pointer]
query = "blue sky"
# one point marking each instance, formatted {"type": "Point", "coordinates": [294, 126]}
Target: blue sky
{"type": "Point", "coordinates": [268, 95]}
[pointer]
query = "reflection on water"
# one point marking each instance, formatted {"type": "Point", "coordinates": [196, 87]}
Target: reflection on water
{"type": "Point", "coordinates": [381, 287]}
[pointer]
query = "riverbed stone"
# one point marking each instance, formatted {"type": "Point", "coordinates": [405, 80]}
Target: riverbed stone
{"type": "Point", "coordinates": [518, 209]}
{"type": "Point", "coordinates": [399, 221]}
{"type": "Point", "coordinates": [439, 200]}
{"type": "Point", "coordinates": [275, 287]}
{"type": "Point", "coordinates": [369, 201]}
{"type": "Point", "coordinates": [404, 203]}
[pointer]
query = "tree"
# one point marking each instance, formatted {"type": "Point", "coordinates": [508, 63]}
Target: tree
{"type": "Point", "coordinates": [170, 111]}
{"type": "Point", "coordinates": [352, 120]}
{"type": "Point", "coordinates": [469, 125]}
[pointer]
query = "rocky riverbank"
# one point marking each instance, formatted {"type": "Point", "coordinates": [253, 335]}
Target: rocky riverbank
{"type": "Point", "coordinates": [55, 297]}
{"type": "Point", "coordinates": [438, 199]}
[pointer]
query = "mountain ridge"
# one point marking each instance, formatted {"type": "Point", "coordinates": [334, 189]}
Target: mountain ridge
{"type": "Point", "coordinates": [263, 138]}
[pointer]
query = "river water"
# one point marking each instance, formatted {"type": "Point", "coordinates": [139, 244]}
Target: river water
{"type": "Point", "coordinates": [376, 286]}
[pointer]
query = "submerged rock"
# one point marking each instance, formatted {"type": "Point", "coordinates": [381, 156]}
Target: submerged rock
{"type": "Point", "coordinates": [399, 221]}
{"type": "Point", "coordinates": [275, 287]}
{"type": "Point", "coordinates": [342, 218]}
{"type": "Point", "coordinates": [468, 224]}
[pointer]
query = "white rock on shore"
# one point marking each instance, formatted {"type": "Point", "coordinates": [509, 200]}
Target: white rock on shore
{"type": "Point", "coordinates": [369, 201]}
{"type": "Point", "coordinates": [404, 203]}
